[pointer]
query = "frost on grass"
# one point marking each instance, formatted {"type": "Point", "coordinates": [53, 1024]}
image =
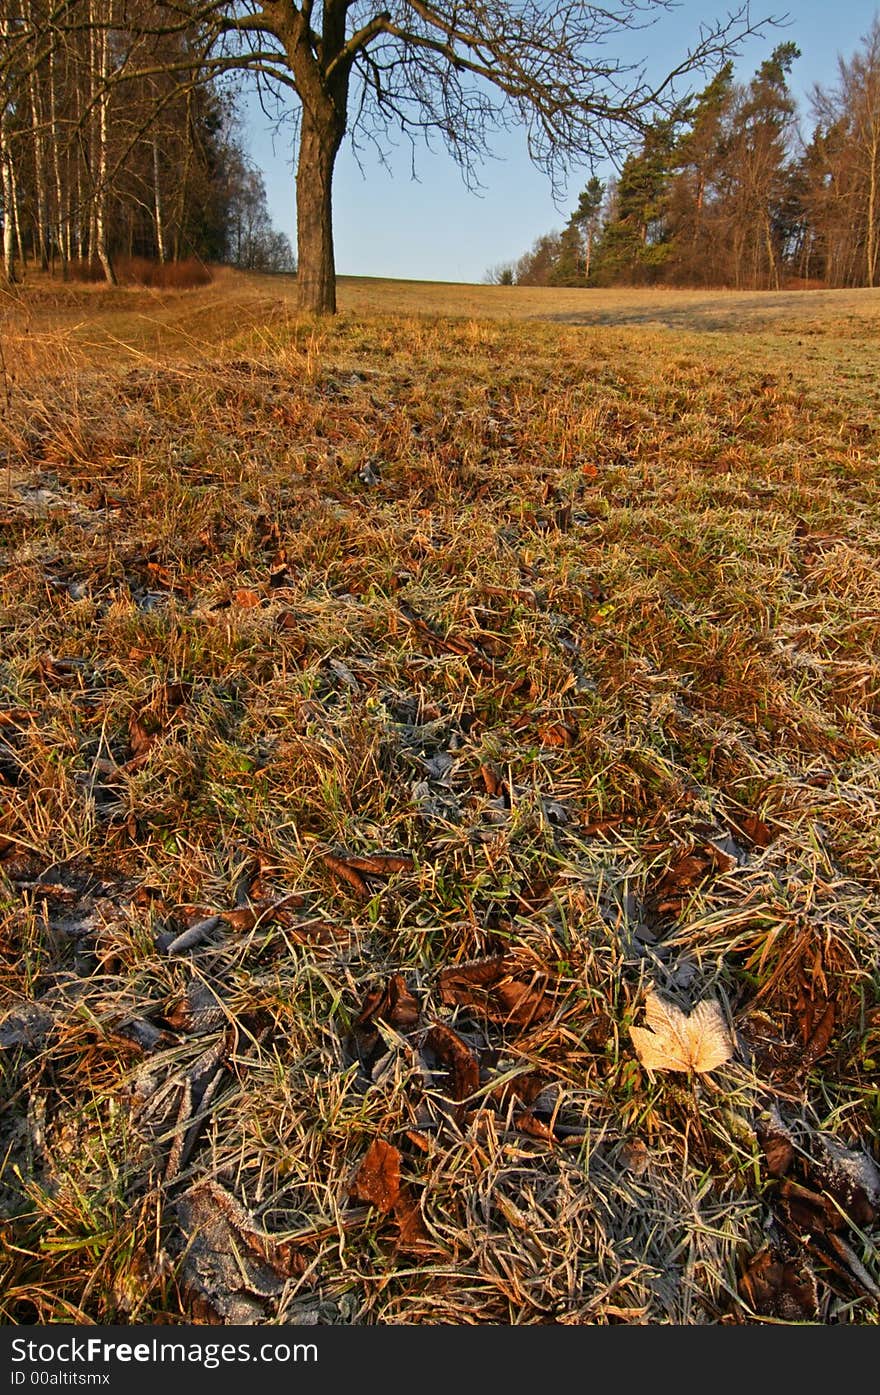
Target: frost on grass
{"type": "Point", "coordinates": [352, 817]}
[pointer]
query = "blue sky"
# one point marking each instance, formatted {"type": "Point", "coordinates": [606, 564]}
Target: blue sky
{"type": "Point", "coordinates": [388, 225]}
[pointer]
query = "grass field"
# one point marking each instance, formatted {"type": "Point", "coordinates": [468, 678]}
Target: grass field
{"type": "Point", "coordinates": [387, 705]}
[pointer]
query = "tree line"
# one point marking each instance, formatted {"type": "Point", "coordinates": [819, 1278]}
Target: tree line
{"type": "Point", "coordinates": [729, 191]}
{"type": "Point", "coordinates": [110, 151]}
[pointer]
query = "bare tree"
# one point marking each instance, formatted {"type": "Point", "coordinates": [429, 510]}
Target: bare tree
{"type": "Point", "coordinates": [459, 68]}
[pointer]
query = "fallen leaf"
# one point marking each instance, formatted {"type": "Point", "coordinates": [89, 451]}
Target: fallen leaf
{"type": "Point", "coordinates": [557, 734]}
{"type": "Point", "coordinates": [340, 869]}
{"type": "Point", "coordinates": [140, 738]}
{"type": "Point", "coordinates": [849, 1175]}
{"type": "Point", "coordinates": [529, 1123]}
{"type": "Point", "coordinates": [755, 830]}
{"type": "Point", "coordinates": [668, 893]}
{"type": "Point", "coordinates": [500, 988]}
{"type": "Point", "coordinates": [457, 1057]}
{"type": "Point", "coordinates": [380, 864]}
{"type": "Point", "coordinates": [813, 1221]}
{"type": "Point", "coordinates": [413, 1236]}
{"type": "Point", "coordinates": [378, 1177]}
{"type": "Point", "coordinates": [18, 716]}
{"type": "Point", "coordinates": [59, 673]}
{"type": "Point", "coordinates": [446, 644]}
{"type": "Point", "coordinates": [492, 780]}
{"type": "Point", "coordinates": [393, 1004]}
{"type": "Point", "coordinates": [353, 868]}
{"type": "Point", "coordinates": [150, 722]}
{"type": "Point", "coordinates": [634, 1156]}
{"type": "Point", "coordinates": [242, 918]}
{"type": "Point", "coordinates": [780, 1288]}
{"type": "Point", "coordinates": [820, 1038]}
{"type": "Point", "coordinates": [230, 1266]}
{"type": "Point", "coordinates": [779, 1152]}
{"type": "Point", "coordinates": [677, 1041]}
{"type": "Point", "coordinates": [808, 1210]}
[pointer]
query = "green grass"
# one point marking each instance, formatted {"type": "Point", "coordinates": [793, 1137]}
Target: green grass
{"type": "Point", "coordinates": [579, 621]}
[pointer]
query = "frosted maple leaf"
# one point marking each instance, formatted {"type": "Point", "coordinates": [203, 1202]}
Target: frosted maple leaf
{"type": "Point", "coordinates": [676, 1040]}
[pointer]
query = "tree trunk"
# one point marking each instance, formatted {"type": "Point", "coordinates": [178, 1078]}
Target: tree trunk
{"type": "Point", "coordinates": [62, 221]}
{"type": "Point", "coordinates": [16, 220]}
{"type": "Point", "coordinates": [871, 220]}
{"type": "Point", "coordinates": [7, 177]}
{"type": "Point", "coordinates": [41, 193]}
{"type": "Point", "coordinates": [99, 245]}
{"type": "Point", "coordinates": [320, 138]}
{"type": "Point", "coordinates": [8, 237]}
{"type": "Point", "coordinates": [157, 204]}
{"type": "Point", "coordinates": [773, 272]}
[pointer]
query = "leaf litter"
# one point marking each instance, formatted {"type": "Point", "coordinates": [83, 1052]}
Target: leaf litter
{"type": "Point", "coordinates": [338, 815]}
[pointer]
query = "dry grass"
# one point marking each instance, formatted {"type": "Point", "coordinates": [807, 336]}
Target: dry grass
{"type": "Point", "coordinates": [579, 624]}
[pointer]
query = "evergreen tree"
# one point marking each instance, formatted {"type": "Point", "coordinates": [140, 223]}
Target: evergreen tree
{"type": "Point", "coordinates": [635, 244]}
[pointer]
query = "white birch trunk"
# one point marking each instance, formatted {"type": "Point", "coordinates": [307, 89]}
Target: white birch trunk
{"type": "Point", "coordinates": [157, 204]}
{"type": "Point", "coordinates": [7, 175]}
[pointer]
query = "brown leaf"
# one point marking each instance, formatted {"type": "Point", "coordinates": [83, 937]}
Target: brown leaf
{"type": "Point", "coordinates": [489, 986]}
{"type": "Point", "coordinates": [781, 1288]}
{"type": "Point", "coordinates": [249, 887]}
{"type": "Point", "coordinates": [524, 1089]}
{"type": "Point", "coordinates": [377, 1179]}
{"type": "Point", "coordinates": [248, 599]}
{"type": "Point", "coordinates": [557, 734]}
{"type": "Point", "coordinates": [593, 827]}
{"type": "Point", "coordinates": [529, 1123]}
{"type": "Point", "coordinates": [163, 577]}
{"type": "Point", "coordinates": [418, 1140]}
{"type": "Point", "coordinates": [457, 1057]}
{"type": "Point", "coordinates": [393, 1004]}
{"type": "Point", "coordinates": [316, 932]}
{"type": "Point", "coordinates": [634, 1156]}
{"type": "Point", "coordinates": [821, 1036]}
{"type": "Point", "coordinates": [668, 893]}
{"type": "Point", "coordinates": [779, 1152]}
{"type": "Point", "coordinates": [808, 1210]}
{"type": "Point", "coordinates": [721, 860]}
{"type": "Point", "coordinates": [18, 716]}
{"type": "Point", "coordinates": [147, 725]}
{"type": "Point", "coordinates": [353, 868]}
{"type": "Point", "coordinates": [58, 673]}
{"type": "Point", "coordinates": [380, 864]}
{"type": "Point", "coordinates": [141, 738]}
{"type": "Point", "coordinates": [492, 780]}
{"type": "Point", "coordinates": [753, 829]}
{"type": "Point", "coordinates": [244, 918]}
{"type": "Point", "coordinates": [447, 644]}
{"type": "Point", "coordinates": [340, 869]}
{"type": "Point", "coordinates": [849, 1176]}
{"type": "Point", "coordinates": [413, 1236]}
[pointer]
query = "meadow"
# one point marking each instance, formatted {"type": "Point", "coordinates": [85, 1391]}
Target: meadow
{"type": "Point", "coordinates": [388, 705]}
